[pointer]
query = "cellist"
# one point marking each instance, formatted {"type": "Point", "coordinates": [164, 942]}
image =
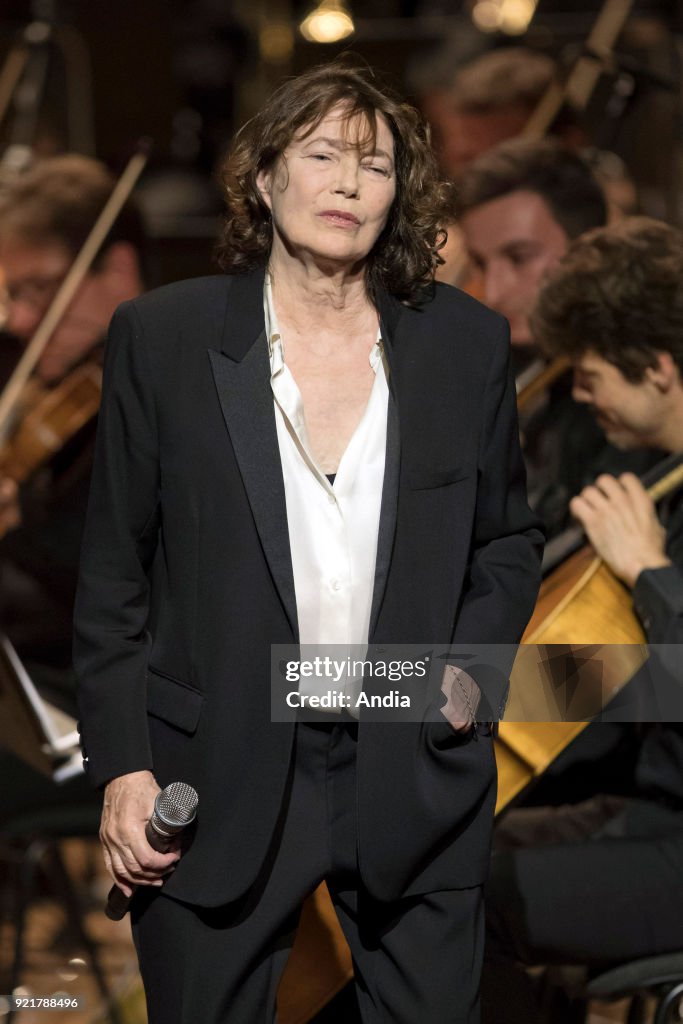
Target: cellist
{"type": "Point", "coordinates": [45, 216]}
{"type": "Point", "coordinates": [599, 882]}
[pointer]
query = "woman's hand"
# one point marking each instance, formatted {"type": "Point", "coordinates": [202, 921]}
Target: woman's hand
{"type": "Point", "coordinates": [462, 698]}
{"type": "Point", "coordinates": [130, 860]}
{"type": "Point", "coordinates": [621, 522]}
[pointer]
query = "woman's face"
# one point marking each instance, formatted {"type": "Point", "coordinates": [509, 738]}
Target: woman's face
{"type": "Point", "coordinates": [330, 198]}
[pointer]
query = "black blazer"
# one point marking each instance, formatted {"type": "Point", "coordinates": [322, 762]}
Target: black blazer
{"type": "Point", "coordinates": [186, 576]}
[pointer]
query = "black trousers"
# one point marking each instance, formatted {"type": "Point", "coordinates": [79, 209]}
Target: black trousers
{"type": "Point", "coordinates": [417, 960]}
{"type": "Point", "coordinates": [597, 884]}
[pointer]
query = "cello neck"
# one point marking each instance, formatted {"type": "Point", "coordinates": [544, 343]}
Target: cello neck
{"type": "Point", "coordinates": [668, 483]}
{"type": "Point", "coordinates": [546, 375]}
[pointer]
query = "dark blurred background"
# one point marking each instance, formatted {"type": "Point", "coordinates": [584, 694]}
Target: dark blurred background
{"type": "Point", "coordinates": [187, 73]}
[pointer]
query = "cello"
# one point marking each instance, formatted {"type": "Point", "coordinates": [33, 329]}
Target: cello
{"type": "Point", "coordinates": [581, 603]}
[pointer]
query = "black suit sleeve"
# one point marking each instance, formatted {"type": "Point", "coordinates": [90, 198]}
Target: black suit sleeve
{"type": "Point", "coordinates": [122, 526]}
{"type": "Point", "coordinates": [658, 601]}
{"type": "Point", "coordinates": [504, 571]}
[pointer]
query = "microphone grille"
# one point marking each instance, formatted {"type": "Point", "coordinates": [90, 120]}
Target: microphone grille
{"type": "Point", "coordinates": [176, 805]}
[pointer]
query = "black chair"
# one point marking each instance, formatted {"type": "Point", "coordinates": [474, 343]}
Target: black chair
{"type": "Point", "coordinates": [657, 977]}
{"type": "Point", "coordinates": [567, 991]}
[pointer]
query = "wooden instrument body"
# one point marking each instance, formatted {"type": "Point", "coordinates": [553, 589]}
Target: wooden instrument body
{"type": "Point", "coordinates": [51, 418]}
{"type": "Point", "coordinates": [580, 606]}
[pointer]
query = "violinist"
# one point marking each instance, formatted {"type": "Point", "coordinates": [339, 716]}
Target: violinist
{"type": "Point", "coordinates": [45, 216]}
{"type": "Point", "coordinates": [489, 100]}
{"type": "Point", "coordinates": [599, 882]}
{"type": "Point", "coordinates": [520, 206]}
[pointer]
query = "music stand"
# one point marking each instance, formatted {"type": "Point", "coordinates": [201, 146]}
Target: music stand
{"type": "Point", "coordinates": [40, 734]}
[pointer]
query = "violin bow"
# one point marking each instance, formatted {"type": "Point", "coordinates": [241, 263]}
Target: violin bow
{"type": "Point", "coordinates": [72, 282]}
{"type": "Point", "coordinates": [584, 76]}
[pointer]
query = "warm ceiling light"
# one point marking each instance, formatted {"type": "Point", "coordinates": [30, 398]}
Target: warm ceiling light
{"type": "Point", "coordinates": [516, 16]}
{"type": "Point", "coordinates": [329, 22]}
{"type": "Point", "coordinates": [510, 16]}
{"type": "Point", "coordinates": [487, 15]}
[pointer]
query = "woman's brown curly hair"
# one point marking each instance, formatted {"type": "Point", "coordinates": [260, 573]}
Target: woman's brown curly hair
{"type": "Point", "coordinates": [406, 254]}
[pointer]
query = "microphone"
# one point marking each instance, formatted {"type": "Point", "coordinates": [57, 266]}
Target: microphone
{"type": "Point", "coordinates": [174, 809]}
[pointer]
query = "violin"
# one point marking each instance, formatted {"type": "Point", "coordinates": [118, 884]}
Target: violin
{"type": "Point", "coordinates": [52, 416]}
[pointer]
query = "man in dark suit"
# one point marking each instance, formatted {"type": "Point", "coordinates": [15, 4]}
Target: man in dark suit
{"type": "Point", "coordinates": [223, 520]}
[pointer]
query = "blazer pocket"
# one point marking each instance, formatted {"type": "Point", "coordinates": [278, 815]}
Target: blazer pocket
{"type": "Point", "coordinates": [426, 479]}
{"type": "Point", "coordinates": [173, 701]}
{"type": "Point", "coordinates": [442, 736]}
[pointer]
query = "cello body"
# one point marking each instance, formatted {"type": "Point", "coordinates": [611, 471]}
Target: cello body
{"type": "Point", "coordinates": [582, 611]}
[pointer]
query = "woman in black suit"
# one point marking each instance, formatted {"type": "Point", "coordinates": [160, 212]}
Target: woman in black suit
{"type": "Point", "coordinates": [318, 448]}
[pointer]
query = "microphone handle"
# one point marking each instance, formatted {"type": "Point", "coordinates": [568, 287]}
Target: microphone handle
{"type": "Point", "coordinates": [118, 904]}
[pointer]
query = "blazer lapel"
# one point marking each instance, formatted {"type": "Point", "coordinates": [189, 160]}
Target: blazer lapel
{"type": "Point", "coordinates": [387, 515]}
{"type": "Point", "coordinates": [390, 312]}
{"type": "Point", "coordinates": [242, 376]}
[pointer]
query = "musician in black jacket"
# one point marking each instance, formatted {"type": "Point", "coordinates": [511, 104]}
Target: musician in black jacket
{"type": "Point", "coordinates": [521, 205]}
{"type": "Point", "coordinates": [45, 217]}
{"type": "Point", "coordinates": [600, 883]}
